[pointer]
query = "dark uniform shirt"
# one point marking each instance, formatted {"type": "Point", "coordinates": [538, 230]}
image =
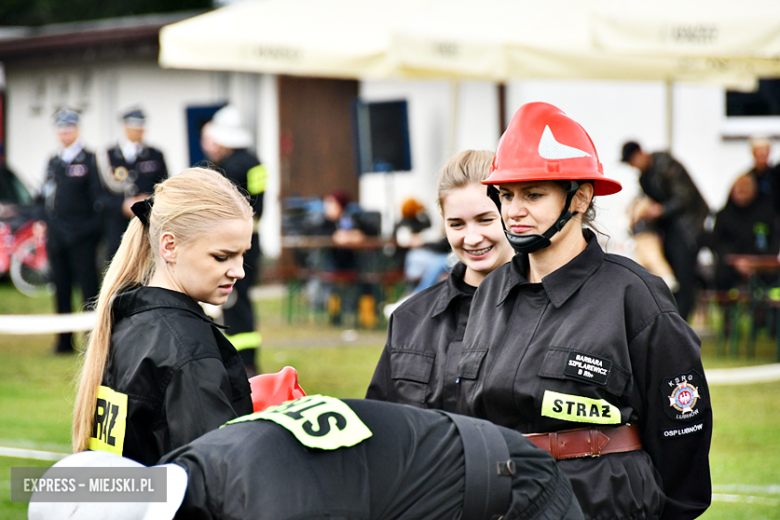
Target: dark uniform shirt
{"type": "Point", "coordinates": [424, 338]}
{"type": "Point", "coordinates": [170, 372]}
{"type": "Point", "coordinates": [245, 170]}
{"type": "Point", "coordinates": [598, 341]}
{"type": "Point", "coordinates": [72, 197]}
{"type": "Point", "coordinates": [142, 174]}
{"type": "Point", "coordinates": [411, 467]}
{"type": "Point", "coordinates": [127, 179]}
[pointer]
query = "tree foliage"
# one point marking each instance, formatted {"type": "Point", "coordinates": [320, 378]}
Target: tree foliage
{"type": "Point", "coordinates": [42, 12]}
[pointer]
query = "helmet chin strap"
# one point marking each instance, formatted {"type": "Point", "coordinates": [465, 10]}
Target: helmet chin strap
{"type": "Point", "coordinates": [533, 243]}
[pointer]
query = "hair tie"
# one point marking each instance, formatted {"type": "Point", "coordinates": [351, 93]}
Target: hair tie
{"type": "Point", "coordinates": [143, 210]}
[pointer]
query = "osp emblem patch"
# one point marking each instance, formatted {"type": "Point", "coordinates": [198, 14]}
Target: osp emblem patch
{"type": "Point", "coordinates": [681, 394]}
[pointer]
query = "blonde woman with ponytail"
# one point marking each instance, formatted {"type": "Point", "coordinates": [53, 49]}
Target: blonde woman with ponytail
{"type": "Point", "coordinates": [158, 372]}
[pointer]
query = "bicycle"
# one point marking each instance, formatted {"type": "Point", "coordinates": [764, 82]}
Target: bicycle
{"type": "Point", "coordinates": [23, 253]}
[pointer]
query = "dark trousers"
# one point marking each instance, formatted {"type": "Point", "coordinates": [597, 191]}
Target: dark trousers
{"type": "Point", "coordinates": [72, 263]}
{"type": "Point", "coordinates": [240, 315]}
{"type": "Point", "coordinates": [681, 252]}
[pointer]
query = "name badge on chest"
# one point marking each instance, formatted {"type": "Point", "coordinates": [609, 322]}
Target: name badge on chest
{"type": "Point", "coordinates": [587, 367]}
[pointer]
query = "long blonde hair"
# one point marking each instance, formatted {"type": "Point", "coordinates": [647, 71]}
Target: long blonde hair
{"type": "Point", "coordinates": [186, 205]}
{"type": "Point", "coordinates": [464, 168]}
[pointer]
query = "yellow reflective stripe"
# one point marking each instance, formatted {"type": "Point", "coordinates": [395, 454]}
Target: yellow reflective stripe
{"type": "Point", "coordinates": [255, 179]}
{"type": "Point", "coordinates": [245, 340]}
{"type": "Point", "coordinates": [110, 423]}
{"type": "Point", "coordinates": [576, 408]}
{"type": "Point", "coordinates": [317, 421]}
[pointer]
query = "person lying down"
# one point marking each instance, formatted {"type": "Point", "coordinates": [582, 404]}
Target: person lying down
{"type": "Point", "coordinates": [319, 457]}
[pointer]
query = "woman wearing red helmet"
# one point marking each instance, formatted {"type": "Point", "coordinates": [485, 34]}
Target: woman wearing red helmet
{"type": "Point", "coordinates": [584, 351]}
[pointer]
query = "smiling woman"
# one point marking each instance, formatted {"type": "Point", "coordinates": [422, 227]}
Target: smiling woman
{"type": "Point", "coordinates": [419, 363]}
{"type": "Point", "coordinates": [157, 372]}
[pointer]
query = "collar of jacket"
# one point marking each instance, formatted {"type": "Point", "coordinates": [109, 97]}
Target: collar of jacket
{"type": "Point", "coordinates": [140, 299]}
{"type": "Point", "coordinates": [450, 290]}
{"type": "Point", "coordinates": [561, 284]}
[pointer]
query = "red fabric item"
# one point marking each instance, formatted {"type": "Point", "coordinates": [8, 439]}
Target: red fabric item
{"type": "Point", "coordinates": [272, 389]}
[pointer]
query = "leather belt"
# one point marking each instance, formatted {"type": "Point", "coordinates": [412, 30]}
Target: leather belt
{"type": "Point", "coordinates": [588, 442]}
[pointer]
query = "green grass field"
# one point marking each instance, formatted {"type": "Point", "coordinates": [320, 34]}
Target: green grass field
{"type": "Point", "coordinates": [37, 389]}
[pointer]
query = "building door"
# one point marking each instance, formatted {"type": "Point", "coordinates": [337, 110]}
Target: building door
{"type": "Point", "coordinates": [316, 136]}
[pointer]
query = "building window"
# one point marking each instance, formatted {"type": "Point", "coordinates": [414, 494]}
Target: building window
{"type": "Point", "coordinates": [765, 101]}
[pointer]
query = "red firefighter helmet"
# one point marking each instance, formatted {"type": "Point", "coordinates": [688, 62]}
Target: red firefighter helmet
{"type": "Point", "coordinates": [543, 143]}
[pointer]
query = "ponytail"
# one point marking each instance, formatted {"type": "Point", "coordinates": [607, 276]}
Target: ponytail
{"type": "Point", "coordinates": [186, 205]}
{"type": "Point", "coordinates": [131, 265]}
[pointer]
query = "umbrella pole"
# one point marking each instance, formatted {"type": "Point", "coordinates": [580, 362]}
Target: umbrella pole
{"type": "Point", "coordinates": [669, 115]}
{"type": "Point", "coordinates": [501, 109]}
{"type": "Point", "coordinates": [453, 140]}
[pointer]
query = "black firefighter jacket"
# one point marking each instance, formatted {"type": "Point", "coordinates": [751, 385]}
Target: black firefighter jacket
{"type": "Point", "coordinates": [411, 466]}
{"type": "Point", "coordinates": [597, 342]}
{"type": "Point", "coordinates": [171, 376]}
{"type": "Point", "coordinates": [419, 364]}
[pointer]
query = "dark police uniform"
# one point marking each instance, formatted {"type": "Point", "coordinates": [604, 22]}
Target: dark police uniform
{"type": "Point", "coordinates": [598, 343]}
{"type": "Point", "coordinates": [389, 462]}
{"type": "Point", "coordinates": [424, 340]}
{"type": "Point", "coordinates": [128, 179]}
{"type": "Point", "coordinates": [72, 197]}
{"type": "Point", "coordinates": [245, 170]}
{"type": "Point", "coordinates": [171, 376]}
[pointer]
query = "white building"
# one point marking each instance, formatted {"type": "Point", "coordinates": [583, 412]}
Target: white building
{"type": "Point", "coordinates": [103, 67]}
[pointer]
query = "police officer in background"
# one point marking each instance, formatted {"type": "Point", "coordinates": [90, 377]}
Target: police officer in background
{"type": "Point", "coordinates": [225, 141]}
{"type": "Point", "coordinates": [72, 196]}
{"type": "Point", "coordinates": [131, 171]}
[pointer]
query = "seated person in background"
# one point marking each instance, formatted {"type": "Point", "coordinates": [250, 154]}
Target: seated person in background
{"type": "Point", "coordinates": [349, 226]}
{"type": "Point", "coordinates": [649, 246]}
{"type": "Point", "coordinates": [425, 261]}
{"type": "Point", "coordinates": [745, 226]}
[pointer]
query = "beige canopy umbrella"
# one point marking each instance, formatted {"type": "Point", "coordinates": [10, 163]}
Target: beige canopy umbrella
{"type": "Point", "coordinates": [487, 39]}
{"type": "Point", "coordinates": [510, 39]}
{"type": "Point", "coordinates": [334, 38]}
{"type": "Point", "coordinates": [722, 34]}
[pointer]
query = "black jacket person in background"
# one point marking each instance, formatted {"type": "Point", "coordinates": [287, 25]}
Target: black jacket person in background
{"type": "Point", "coordinates": [678, 214]}
{"type": "Point", "coordinates": [72, 197]}
{"type": "Point", "coordinates": [225, 141]}
{"type": "Point", "coordinates": [131, 171]}
{"type": "Point", "coordinates": [319, 457]}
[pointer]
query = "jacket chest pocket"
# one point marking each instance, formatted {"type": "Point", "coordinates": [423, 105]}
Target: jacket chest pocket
{"type": "Point", "coordinates": [470, 363]}
{"type": "Point", "coordinates": [580, 386]}
{"type": "Point", "coordinates": [585, 367]}
{"type": "Point", "coordinates": [411, 373]}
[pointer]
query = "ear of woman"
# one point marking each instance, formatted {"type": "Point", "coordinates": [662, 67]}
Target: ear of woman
{"type": "Point", "coordinates": [582, 198]}
{"type": "Point", "coordinates": [168, 246]}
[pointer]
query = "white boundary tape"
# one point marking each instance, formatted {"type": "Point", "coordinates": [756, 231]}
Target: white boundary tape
{"type": "Point", "coordinates": [743, 375]}
{"type": "Point", "coordinates": [46, 323]}
{"type": "Point", "coordinates": [84, 321]}
{"type": "Point", "coordinates": [21, 453]}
